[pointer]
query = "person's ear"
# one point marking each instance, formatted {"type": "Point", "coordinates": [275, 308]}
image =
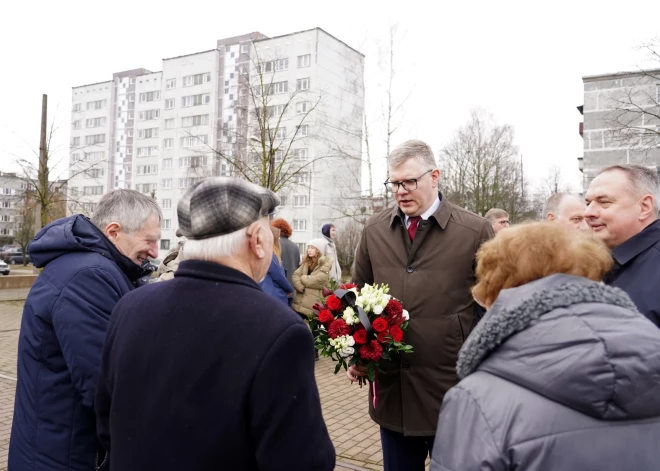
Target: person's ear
{"type": "Point", "coordinates": [112, 231]}
{"type": "Point", "coordinates": [550, 217]}
{"type": "Point", "coordinates": [257, 240]}
{"type": "Point", "coordinates": [435, 176]}
{"type": "Point", "coordinates": [647, 207]}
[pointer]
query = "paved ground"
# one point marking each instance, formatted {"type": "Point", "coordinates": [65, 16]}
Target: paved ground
{"type": "Point", "coordinates": [355, 436]}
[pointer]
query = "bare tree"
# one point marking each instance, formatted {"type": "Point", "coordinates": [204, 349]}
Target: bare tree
{"type": "Point", "coordinates": [480, 167]}
{"type": "Point", "coordinates": [634, 109]}
{"type": "Point", "coordinates": [346, 242]}
{"type": "Point", "coordinates": [24, 224]}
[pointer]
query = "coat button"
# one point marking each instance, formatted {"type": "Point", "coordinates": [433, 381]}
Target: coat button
{"type": "Point", "coordinates": [410, 269]}
{"type": "Point", "coordinates": [406, 365]}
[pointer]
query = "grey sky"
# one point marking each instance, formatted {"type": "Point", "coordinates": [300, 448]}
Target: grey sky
{"type": "Point", "coordinates": [520, 61]}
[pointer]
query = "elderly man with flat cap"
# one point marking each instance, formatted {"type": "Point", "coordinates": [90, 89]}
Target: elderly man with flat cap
{"type": "Point", "coordinates": [207, 371]}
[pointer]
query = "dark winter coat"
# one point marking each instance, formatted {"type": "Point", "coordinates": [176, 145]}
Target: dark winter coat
{"type": "Point", "coordinates": [275, 283]}
{"type": "Point", "coordinates": [290, 257]}
{"type": "Point", "coordinates": [59, 348]}
{"type": "Point", "coordinates": [208, 372]}
{"type": "Point", "coordinates": [637, 270]}
{"type": "Point", "coordinates": [561, 374]}
{"type": "Point", "coordinates": [432, 277]}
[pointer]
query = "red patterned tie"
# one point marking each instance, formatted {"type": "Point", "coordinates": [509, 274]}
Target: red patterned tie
{"type": "Point", "coordinates": [412, 228]}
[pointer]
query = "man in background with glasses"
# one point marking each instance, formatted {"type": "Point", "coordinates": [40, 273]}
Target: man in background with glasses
{"type": "Point", "coordinates": [498, 218]}
{"type": "Point", "coordinates": [424, 249]}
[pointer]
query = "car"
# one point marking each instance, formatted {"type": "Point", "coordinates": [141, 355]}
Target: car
{"type": "Point", "coordinates": [4, 268]}
{"type": "Point", "coordinates": [14, 256]}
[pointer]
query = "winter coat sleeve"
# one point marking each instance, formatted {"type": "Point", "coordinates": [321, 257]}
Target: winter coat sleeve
{"type": "Point", "coordinates": [296, 279]}
{"type": "Point", "coordinates": [320, 277]}
{"type": "Point", "coordinates": [464, 440]}
{"type": "Point", "coordinates": [80, 321]}
{"type": "Point", "coordinates": [285, 408]}
{"type": "Point", "coordinates": [276, 273]}
{"type": "Point", "coordinates": [363, 270]}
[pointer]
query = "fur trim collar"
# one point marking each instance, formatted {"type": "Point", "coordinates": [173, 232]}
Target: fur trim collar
{"type": "Point", "coordinates": [500, 324]}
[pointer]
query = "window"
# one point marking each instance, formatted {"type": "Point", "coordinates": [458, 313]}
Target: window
{"type": "Point", "coordinates": [93, 190]}
{"type": "Point", "coordinates": [299, 224]}
{"type": "Point", "coordinates": [149, 96]}
{"type": "Point", "coordinates": [303, 130]}
{"type": "Point", "coordinates": [303, 84]}
{"type": "Point", "coordinates": [166, 204]}
{"type": "Point", "coordinates": [75, 141]}
{"type": "Point", "coordinates": [132, 81]}
{"type": "Point", "coordinates": [77, 108]}
{"type": "Point", "coordinates": [5, 218]}
{"type": "Point", "coordinates": [169, 123]}
{"type": "Point", "coordinates": [149, 114]}
{"type": "Point", "coordinates": [301, 247]}
{"type": "Point", "coordinates": [300, 154]}
{"type": "Point", "coordinates": [279, 88]}
{"type": "Point", "coordinates": [279, 155]}
{"type": "Point", "coordinates": [73, 191]}
{"type": "Point", "coordinates": [304, 61]}
{"type": "Point", "coordinates": [166, 224]}
{"type": "Point", "coordinates": [164, 244]}
{"type": "Point", "coordinates": [147, 151]}
{"type": "Point", "coordinates": [89, 207]}
{"type": "Point", "coordinates": [169, 103]}
{"type": "Point", "coordinates": [198, 120]}
{"type": "Point", "coordinates": [166, 183]}
{"type": "Point", "coordinates": [94, 173]}
{"type": "Point", "coordinates": [131, 115]}
{"type": "Point", "coordinates": [198, 79]}
{"type": "Point", "coordinates": [147, 133]}
{"type": "Point", "coordinates": [300, 200]}
{"type": "Point", "coordinates": [196, 100]}
{"type": "Point", "coordinates": [76, 124]}
{"type": "Point", "coordinates": [146, 188]}
{"type": "Point", "coordinates": [302, 107]}
{"type": "Point", "coordinates": [170, 83]}
{"type": "Point", "coordinates": [245, 48]}
{"type": "Point", "coordinates": [166, 163]}
{"type": "Point", "coordinates": [276, 111]}
{"type": "Point", "coordinates": [6, 204]}
{"type": "Point", "coordinates": [302, 177]}
{"type": "Point", "coordinates": [131, 98]}
{"type": "Point", "coordinates": [186, 182]}
{"type": "Point", "coordinates": [94, 139]}
{"type": "Point", "coordinates": [96, 105]}
{"type": "Point", "coordinates": [94, 156]}
{"type": "Point", "coordinates": [280, 134]}
{"type": "Point", "coordinates": [197, 161]}
{"type": "Point", "coordinates": [193, 141]}
{"type": "Point", "coordinates": [168, 143]}
{"type": "Point", "coordinates": [281, 64]}
{"type": "Point", "coordinates": [5, 231]}
{"type": "Point", "coordinates": [147, 169]}
{"type": "Point", "coordinates": [95, 122]}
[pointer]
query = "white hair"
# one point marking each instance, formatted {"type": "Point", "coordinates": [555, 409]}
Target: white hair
{"type": "Point", "coordinates": [215, 247]}
{"type": "Point", "coordinates": [129, 208]}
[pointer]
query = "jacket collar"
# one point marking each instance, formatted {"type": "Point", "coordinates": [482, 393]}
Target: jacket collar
{"type": "Point", "coordinates": [637, 243]}
{"type": "Point", "coordinates": [516, 309]}
{"type": "Point", "coordinates": [213, 271]}
{"type": "Point", "coordinates": [441, 215]}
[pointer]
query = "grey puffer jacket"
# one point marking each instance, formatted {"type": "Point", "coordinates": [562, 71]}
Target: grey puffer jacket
{"type": "Point", "coordinates": [561, 374]}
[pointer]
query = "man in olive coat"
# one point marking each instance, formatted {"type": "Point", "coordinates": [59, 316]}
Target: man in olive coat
{"type": "Point", "coordinates": [424, 249]}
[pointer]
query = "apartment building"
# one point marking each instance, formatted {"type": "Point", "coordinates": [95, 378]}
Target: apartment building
{"type": "Point", "coordinates": [604, 96]}
{"type": "Point", "coordinates": [160, 132]}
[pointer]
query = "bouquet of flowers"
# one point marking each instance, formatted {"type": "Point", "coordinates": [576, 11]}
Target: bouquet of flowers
{"type": "Point", "coordinates": [360, 327]}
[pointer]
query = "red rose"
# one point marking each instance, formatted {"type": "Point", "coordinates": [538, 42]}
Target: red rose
{"type": "Point", "coordinates": [371, 352]}
{"type": "Point", "coordinates": [338, 328]}
{"type": "Point", "coordinates": [379, 324]}
{"type": "Point", "coordinates": [334, 303]}
{"type": "Point", "coordinates": [360, 336]}
{"type": "Point", "coordinates": [384, 337]}
{"type": "Point", "coordinates": [347, 286]}
{"type": "Point", "coordinates": [396, 333]}
{"type": "Point", "coordinates": [326, 316]}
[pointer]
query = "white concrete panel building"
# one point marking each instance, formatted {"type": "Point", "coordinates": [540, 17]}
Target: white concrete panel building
{"type": "Point", "coordinates": [162, 129]}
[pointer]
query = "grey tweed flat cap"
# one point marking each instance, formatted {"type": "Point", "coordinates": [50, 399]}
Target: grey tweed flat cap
{"type": "Point", "coordinates": [222, 205]}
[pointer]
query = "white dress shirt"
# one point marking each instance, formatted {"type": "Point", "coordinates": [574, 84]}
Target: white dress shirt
{"type": "Point", "coordinates": [426, 214]}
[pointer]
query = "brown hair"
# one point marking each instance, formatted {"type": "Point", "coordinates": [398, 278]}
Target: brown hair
{"type": "Point", "coordinates": [277, 248]}
{"type": "Point", "coordinates": [495, 213]}
{"type": "Point", "coordinates": [283, 226]}
{"type": "Point", "coordinates": [532, 251]}
{"type": "Point", "coordinates": [311, 262]}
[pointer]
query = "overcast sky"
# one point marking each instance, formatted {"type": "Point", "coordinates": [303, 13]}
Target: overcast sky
{"type": "Point", "coordinates": [520, 61]}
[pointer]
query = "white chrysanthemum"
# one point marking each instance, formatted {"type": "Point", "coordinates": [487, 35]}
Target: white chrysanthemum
{"type": "Point", "coordinates": [347, 352]}
{"type": "Point", "coordinates": [405, 315]}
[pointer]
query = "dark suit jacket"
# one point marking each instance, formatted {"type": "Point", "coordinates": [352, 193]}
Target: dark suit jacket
{"type": "Point", "coordinates": [208, 372]}
{"type": "Point", "coordinates": [637, 271]}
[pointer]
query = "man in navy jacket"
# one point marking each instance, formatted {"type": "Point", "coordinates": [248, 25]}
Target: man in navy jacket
{"type": "Point", "coordinates": [622, 210]}
{"type": "Point", "coordinates": [207, 371]}
{"type": "Point", "coordinates": [87, 267]}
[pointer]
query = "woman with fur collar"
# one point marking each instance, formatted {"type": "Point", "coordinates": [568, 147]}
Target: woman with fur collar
{"type": "Point", "coordinates": [562, 373]}
{"type": "Point", "coordinates": [310, 278]}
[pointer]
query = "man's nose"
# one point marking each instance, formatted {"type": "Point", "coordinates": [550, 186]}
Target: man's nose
{"type": "Point", "coordinates": [589, 211]}
{"type": "Point", "coordinates": [402, 189]}
{"type": "Point", "coordinates": [153, 251]}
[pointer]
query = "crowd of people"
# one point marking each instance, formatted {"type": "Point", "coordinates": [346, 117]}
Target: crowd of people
{"type": "Point", "coordinates": [536, 345]}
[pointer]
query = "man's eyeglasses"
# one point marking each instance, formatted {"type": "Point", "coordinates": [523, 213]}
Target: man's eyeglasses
{"type": "Point", "coordinates": [408, 185]}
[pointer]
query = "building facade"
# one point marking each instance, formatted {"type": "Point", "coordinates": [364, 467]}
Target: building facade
{"type": "Point", "coordinates": [301, 96]}
{"type": "Point", "coordinates": [619, 124]}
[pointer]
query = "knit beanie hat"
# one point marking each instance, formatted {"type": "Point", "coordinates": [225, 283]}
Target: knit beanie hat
{"type": "Point", "coordinates": [325, 230]}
